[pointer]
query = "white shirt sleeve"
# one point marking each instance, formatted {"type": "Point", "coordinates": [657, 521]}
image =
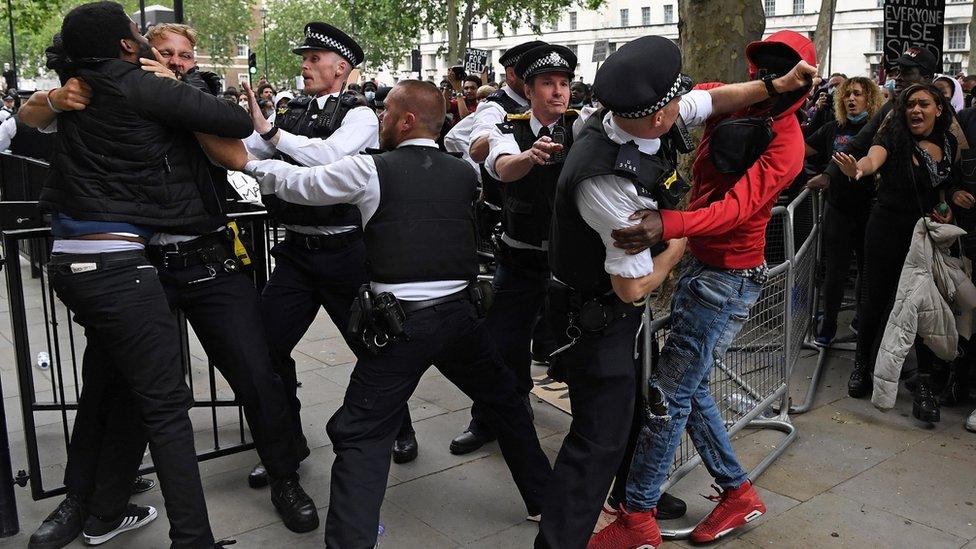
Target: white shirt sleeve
{"type": "Point", "coordinates": [499, 144]}
{"type": "Point", "coordinates": [695, 107]}
{"type": "Point", "coordinates": [258, 147]}
{"type": "Point", "coordinates": [605, 203]}
{"type": "Point", "coordinates": [488, 114]}
{"type": "Point", "coordinates": [585, 114]}
{"type": "Point", "coordinates": [349, 180]}
{"type": "Point", "coordinates": [359, 130]}
{"type": "Point", "coordinates": [7, 132]}
{"type": "Point", "coordinates": [459, 137]}
{"type": "Point", "coordinates": [50, 128]}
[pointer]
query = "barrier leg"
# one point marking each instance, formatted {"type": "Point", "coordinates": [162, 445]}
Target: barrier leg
{"type": "Point", "coordinates": [9, 525]}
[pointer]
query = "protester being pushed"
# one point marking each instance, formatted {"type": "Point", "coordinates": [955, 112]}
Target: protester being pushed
{"type": "Point", "coordinates": [730, 204]}
{"type": "Point", "coordinates": [422, 306]}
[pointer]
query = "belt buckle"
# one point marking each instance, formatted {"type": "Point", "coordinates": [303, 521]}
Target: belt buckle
{"type": "Point", "coordinates": [166, 257]}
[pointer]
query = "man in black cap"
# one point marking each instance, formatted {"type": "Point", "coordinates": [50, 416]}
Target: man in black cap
{"type": "Point", "coordinates": [416, 204]}
{"type": "Point", "coordinates": [526, 154]}
{"type": "Point", "coordinates": [624, 159]}
{"type": "Point", "coordinates": [321, 262]}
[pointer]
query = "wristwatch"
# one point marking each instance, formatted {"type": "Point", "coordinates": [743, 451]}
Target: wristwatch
{"type": "Point", "coordinates": [270, 133]}
{"type": "Point", "coordinates": [768, 82]}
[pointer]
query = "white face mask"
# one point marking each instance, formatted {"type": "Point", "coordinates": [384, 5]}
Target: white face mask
{"type": "Point", "coordinates": [243, 104]}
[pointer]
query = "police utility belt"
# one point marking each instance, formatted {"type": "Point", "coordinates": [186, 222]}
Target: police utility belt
{"type": "Point", "coordinates": [587, 316]}
{"type": "Point", "coordinates": [316, 242]}
{"type": "Point", "coordinates": [219, 252]}
{"type": "Point", "coordinates": [379, 319]}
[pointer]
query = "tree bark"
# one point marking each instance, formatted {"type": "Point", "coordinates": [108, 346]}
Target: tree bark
{"type": "Point", "coordinates": [821, 38]}
{"type": "Point", "coordinates": [452, 31]}
{"type": "Point", "coordinates": [713, 35]}
{"type": "Point", "coordinates": [971, 65]}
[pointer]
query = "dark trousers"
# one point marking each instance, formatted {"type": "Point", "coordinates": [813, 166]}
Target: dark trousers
{"type": "Point", "coordinates": [887, 239]}
{"type": "Point", "coordinates": [122, 307]}
{"type": "Point", "coordinates": [456, 342]}
{"type": "Point", "coordinates": [843, 236]}
{"type": "Point", "coordinates": [303, 281]}
{"type": "Point", "coordinates": [602, 375]}
{"type": "Point", "coordinates": [520, 295]}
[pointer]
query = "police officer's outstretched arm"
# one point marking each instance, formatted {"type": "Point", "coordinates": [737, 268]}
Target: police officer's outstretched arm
{"type": "Point", "coordinates": [631, 290]}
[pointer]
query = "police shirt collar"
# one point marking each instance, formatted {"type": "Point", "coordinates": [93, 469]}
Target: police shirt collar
{"type": "Point", "coordinates": [323, 98]}
{"type": "Point", "coordinates": [418, 142]}
{"type": "Point", "coordinates": [618, 136]}
{"type": "Point", "coordinates": [518, 98]}
{"type": "Point", "coordinates": [536, 125]}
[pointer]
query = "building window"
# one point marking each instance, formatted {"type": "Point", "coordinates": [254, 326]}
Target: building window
{"type": "Point", "coordinates": [956, 37]}
{"type": "Point", "coordinates": [242, 50]}
{"type": "Point", "coordinates": [645, 16]}
{"type": "Point", "coordinates": [484, 30]}
{"type": "Point", "coordinates": [770, 6]}
{"type": "Point", "coordinates": [611, 47]}
{"type": "Point", "coordinates": [877, 38]}
{"type": "Point", "coordinates": [554, 26]}
{"type": "Point", "coordinates": [881, 3]}
{"type": "Point", "coordinates": [574, 48]}
{"type": "Point", "coordinates": [797, 6]}
{"type": "Point", "coordinates": [952, 67]}
{"type": "Point", "coordinates": [669, 14]}
{"type": "Point", "coordinates": [431, 62]}
{"type": "Point", "coordinates": [625, 17]}
{"type": "Point", "coordinates": [572, 20]}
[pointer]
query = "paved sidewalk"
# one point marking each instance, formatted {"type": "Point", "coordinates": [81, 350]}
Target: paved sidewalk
{"type": "Point", "coordinates": [855, 477]}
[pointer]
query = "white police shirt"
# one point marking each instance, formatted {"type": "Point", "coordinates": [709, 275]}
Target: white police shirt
{"type": "Point", "coordinates": [358, 131]}
{"type": "Point", "coordinates": [350, 180]}
{"type": "Point", "coordinates": [606, 202]}
{"type": "Point", "coordinates": [458, 141]}
{"type": "Point", "coordinates": [490, 113]}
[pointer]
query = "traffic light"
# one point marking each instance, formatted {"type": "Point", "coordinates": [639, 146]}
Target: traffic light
{"type": "Point", "coordinates": [252, 63]}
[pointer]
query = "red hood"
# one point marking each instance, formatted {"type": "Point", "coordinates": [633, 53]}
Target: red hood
{"type": "Point", "coordinates": [799, 44]}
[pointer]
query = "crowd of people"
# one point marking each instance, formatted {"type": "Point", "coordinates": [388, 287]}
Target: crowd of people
{"type": "Point", "coordinates": [384, 192]}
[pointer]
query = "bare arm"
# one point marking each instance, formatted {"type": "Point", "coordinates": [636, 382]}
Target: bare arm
{"type": "Point", "coordinates": [228, 152]}
{"type": "Point", "coordinates": [73, 96]}
{"type": "Point", "coordinates": [867, 165]}
{"type": "Point", "coordinates": [512, 167]}
{"type": "Point", "coordinates": [630, 290]}
{"type": "Point", "coordinates": [734, 97]}
{"type": "Point", "coordinates": [479, 149]}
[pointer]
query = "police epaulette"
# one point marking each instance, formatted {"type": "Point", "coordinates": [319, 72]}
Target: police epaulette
{"type": "Point", "coordinates": [522, 116]}
{"type": "Point", "coordinates": [572, 113]}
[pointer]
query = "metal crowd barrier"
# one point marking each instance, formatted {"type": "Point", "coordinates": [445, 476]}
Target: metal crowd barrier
{"type": "Point", "coordinates": [753, 377]}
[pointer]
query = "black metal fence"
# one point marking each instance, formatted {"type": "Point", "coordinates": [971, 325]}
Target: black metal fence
{"type": "Point", "coordinates": [47, 347]}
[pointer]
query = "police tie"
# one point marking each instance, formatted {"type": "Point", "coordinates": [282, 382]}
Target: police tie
{"type": "Point", "coordinates": [544, 131]}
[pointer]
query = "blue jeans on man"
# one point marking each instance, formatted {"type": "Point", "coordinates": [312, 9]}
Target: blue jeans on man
{"type": "Point", "coordinates": [708, 309]}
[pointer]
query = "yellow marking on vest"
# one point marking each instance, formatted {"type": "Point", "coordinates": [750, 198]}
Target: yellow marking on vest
{"type": "Point", "coordinates": [670, 181]}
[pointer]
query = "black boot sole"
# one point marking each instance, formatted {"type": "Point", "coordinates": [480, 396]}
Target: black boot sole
{"type": "Point", "coordinates": [301, 527]}
{"type": "Point", "coordinates": [921, 415]}
{"type": "Point", "coordinates": [405, 457]}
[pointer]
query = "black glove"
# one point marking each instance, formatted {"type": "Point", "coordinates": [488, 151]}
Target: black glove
{"type": "Point", "coordinates": [207, 82]}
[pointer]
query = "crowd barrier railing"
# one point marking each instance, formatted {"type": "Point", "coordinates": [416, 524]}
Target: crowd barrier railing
{"type": "Point", "coordinates": [751, 382]}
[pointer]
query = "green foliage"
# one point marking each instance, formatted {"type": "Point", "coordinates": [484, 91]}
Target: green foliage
{"type": "Point", "coordinates": [221, 25]}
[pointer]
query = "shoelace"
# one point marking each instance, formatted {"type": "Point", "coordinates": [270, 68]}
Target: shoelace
{"type": "Point", "coordinates": [67, 508]}
{"type": "Point", "coordinates": [293, 492]}
{"type": "Point", "coordinates": [720, 497]}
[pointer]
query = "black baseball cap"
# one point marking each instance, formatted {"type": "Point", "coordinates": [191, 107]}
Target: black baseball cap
{"type": "Point", "coordinates": [918, 57]}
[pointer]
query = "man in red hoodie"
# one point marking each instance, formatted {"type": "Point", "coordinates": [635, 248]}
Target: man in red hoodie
{"type": "Point", "coordinates": [725, 225]}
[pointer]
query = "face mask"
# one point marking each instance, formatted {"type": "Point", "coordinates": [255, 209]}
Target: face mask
{"type": "Point", "coordinates": [370, 95]}
{"type": "Point", "coordinates": [857, 118]}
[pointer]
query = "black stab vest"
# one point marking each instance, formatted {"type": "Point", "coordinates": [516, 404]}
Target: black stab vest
{"type": "Point", "coordinates": [423, 228]}
{"type": "Point", "coordinates": [303, 117]}
{"type": "Point", "coordinates": [576, 252]}
{"type": "Point", "coordinates": [527, 202]}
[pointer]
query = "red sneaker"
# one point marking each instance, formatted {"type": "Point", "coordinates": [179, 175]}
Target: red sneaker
{"type": "Point", "coordinates": [735, 508]}
{"type": "Point", "coordinates": [629, 531]}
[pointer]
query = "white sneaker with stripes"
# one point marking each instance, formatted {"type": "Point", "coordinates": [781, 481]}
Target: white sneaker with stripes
{"type": "Point", "coordinates": [98, 531]}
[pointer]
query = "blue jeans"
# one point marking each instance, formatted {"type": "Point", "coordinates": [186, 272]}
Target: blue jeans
{"type": "Point", "coordinates": [709, 308]}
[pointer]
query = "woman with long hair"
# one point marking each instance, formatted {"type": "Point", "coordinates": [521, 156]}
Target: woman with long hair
{"type": "Point", "coordinates": [915, 154]}
{"type": "Point", "coordinates": [848, 202]}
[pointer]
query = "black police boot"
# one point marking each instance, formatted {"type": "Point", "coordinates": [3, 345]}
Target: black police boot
{"type": "Point", "coordinates": [142, 484]}
{"type": "Point", "coordinates": [258, 477]}
{"type": "Point", "coordinates": [61, 527]}
{"type": "Point", "coordinates": [470, 440]}
{"type": "Point", "coordinates": [860, 384]}
{"type": "Point", "coordinates": [296, 509]}
{"type": "Point", "coordinates": [925, 407]}
{"type": "Point", "coordinates": [405, 448]}
{"type": "Point", "coordinates": [670, 507]}
{"type": "Point", "coordinates": [956, 390]}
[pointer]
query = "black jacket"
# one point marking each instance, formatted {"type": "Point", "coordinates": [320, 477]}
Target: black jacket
{"type": "Point", "coordinates": [130, 155]}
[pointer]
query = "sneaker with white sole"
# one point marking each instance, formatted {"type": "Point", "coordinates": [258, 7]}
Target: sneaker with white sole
{"type": "Point", "coordinates": [98, 531]}
{"type": "Point", "coordinates": [971, 422]}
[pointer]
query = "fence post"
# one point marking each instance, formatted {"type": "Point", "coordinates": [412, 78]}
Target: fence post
{"type": "Point", "coordinates": [9, 525]}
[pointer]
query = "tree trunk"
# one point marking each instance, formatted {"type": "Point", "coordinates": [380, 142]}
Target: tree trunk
{"type": "Point", "coordinates": [713, 37]}
{"type": "Point", "coordinates": [821, 38]}
{"type": "Point", "coordinates": [465, 40]}
{"type": "Point", "coordinates": [971, 65]}
{"type": "Point", "coordinates": [453, 44]}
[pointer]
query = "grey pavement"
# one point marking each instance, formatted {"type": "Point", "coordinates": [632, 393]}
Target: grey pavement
{"type": "Point", "coordinates": [855, 477]}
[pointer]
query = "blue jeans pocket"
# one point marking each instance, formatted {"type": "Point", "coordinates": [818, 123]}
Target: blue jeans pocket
{"type": "Point", "coordinates": [710, 290]}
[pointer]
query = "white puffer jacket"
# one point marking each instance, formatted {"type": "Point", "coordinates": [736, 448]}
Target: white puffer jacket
{"type": "Point", "coordinates": [935, 301]}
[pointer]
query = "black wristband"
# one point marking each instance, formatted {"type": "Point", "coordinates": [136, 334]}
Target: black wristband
{"type": "Point", "coordinates": [270, 133]}
{"type": "Point", "coordinates": [770, 88]}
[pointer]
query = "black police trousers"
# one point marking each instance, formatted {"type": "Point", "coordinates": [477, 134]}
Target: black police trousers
{"type": "Point", "coordinates": [601, 373]}
{"type": "Point", "coordinates": [134, 345]}
{"type": "Point", "coordinates": [453, 338]}
{"type": "Point", "coordinates": [520, 294]}
{"type": "Point", "coordinates": [303, 281]}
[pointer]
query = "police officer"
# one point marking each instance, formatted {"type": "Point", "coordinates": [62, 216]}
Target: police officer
{"type": "Point", "coordinates": [420, 308]}
{"type": "Point", "coordinates": [527, 151]}
{"type": "Point", "coordinates": [321, 262]}
{"type": "Point", "coordinates": [622, 161]}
